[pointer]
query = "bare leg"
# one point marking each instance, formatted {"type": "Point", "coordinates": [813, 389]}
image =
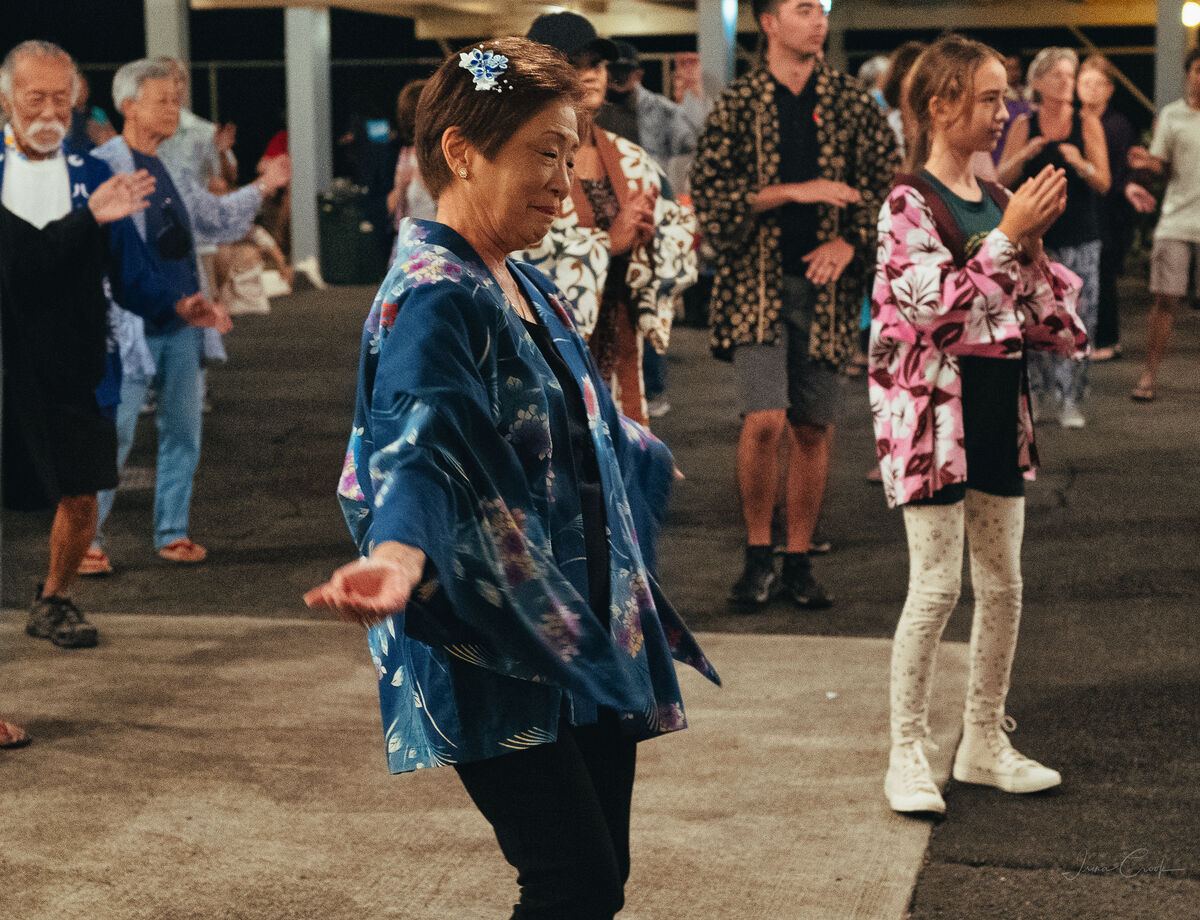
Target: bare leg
{"type": "Point", "coordinates": [757, 461]}
{"type": "Point", "coordinates": [71, 534]}
{"type": "Point", "coordinates": [1162, 317]}
{"type": "Point", "coordinates": [808, 468]}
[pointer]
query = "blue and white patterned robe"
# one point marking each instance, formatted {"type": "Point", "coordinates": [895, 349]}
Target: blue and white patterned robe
{"type": "Point", "coordinates": [451, 452]}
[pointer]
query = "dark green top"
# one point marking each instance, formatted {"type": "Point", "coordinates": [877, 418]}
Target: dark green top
{"type": "Point", "coordinates": [991, 387]}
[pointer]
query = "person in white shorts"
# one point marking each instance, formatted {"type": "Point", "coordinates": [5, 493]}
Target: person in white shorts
{"type": "Point", "coordinates": [1175, 261]}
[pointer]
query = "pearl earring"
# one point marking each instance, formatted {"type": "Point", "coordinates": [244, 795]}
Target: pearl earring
{"type": "Point", "coordinates": [462, 172]}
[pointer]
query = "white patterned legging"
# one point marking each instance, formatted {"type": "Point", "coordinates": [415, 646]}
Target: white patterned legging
{"type": "Point", "coordinates": [1056, 375]}
{"type": "Point", "coordinates": [994, 526]}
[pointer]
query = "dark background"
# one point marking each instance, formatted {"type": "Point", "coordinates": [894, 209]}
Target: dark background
{"type": "Point", "coordinates": [374, 56]}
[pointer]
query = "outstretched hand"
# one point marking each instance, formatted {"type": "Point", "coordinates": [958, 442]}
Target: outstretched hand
{"type": "Point", "coordinates": [369, 590]}
{"type": "Point", "coordinates": [198, 310]}
{"type": "Point", "coordinates": [275, 173]}
{"type": "Point", "coordinates": [825, 191]}
{"type": "Point", "coordinates": [1141, 199]}
{"type": "Point", "coordinates": [120, 196]}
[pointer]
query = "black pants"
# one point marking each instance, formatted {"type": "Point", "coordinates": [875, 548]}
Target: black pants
{"type": "Point", "coordinates": [561, 815]}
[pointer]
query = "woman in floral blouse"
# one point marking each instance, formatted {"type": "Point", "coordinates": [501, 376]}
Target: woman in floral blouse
{"type": "Point", "coordinates": [962, 290]}
{"type": "Point", "coordinates": [514, 629]}
{"type": "Point", "coordinates": [621, 250]}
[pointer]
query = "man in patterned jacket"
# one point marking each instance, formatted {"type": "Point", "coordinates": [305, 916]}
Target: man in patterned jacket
{"type": "Point", "coordinates": [793, 165]}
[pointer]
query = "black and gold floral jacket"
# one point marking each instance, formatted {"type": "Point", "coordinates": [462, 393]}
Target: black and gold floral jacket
{"type": "Point", "coordinates": [738, 155]}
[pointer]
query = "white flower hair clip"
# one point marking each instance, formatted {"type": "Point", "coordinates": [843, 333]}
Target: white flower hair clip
{"type": "Point", "coordinates": [486, 66]}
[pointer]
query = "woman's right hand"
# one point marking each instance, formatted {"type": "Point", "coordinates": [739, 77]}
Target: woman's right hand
{"type": "Point", "coordinates": [1035, 205]}
{"type": "Point", "coordinates": [369, 590]}
{"type": "Point", "coordinates": [634, 225]}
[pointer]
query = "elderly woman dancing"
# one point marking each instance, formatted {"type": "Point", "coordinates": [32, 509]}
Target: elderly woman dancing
{"type": "Point", "coordinates": [501, 505]}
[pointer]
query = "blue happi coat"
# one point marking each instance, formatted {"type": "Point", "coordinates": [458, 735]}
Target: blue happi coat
{"type": "Point", "coordinates": [451, 452]}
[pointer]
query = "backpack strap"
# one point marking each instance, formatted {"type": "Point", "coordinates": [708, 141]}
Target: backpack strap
{"type": "Point", "coordinates": [999, 193]}
{"type": "Point", "coordinates": [947, 226]}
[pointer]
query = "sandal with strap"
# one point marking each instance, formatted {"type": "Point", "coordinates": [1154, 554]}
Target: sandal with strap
{"type": "Point", "coordinates": [183, 550]}
{"type": "Point", "coordinates": [12, 736]}
{"type": "Point", "coordinates": [1143, 393]}
{"type": "Point", "coordinates": [95, 563]}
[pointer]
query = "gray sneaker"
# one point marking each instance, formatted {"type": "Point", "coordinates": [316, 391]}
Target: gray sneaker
{"type": "Point", "coordinates": [57, 619]}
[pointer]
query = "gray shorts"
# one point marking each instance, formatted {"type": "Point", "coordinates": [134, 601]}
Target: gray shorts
{"type": "Point", "coordinates": [783, 376]}
{"type": "Point", "coordinates": [1174, 268]}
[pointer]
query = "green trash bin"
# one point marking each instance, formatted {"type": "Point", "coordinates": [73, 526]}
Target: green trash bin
{"type": "Point", "coordinates": [350, 250]}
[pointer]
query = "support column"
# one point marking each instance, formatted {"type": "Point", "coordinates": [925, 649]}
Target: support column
{"type": "Point", "coordinates": [309, 121]}
{"type": "Point", "coordinates": [1170, 45]}
{"type": "Point", "coordinates": [716, 39]}
{"type": "Point", "coordinates": [167, 28]}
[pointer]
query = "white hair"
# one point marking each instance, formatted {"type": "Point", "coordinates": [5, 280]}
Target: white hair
{"type": "Point", "coordinates": [871, 70]}
{"type": "Point", "coordinates": [34, 47]}
{"type": "Point", "coordinates": [128, 82]}
{"type": "Point", "coordinates": [1043, 62]}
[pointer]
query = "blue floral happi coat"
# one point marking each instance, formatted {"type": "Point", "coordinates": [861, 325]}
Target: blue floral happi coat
{"type": "Point", "coordinates": [451, 452]}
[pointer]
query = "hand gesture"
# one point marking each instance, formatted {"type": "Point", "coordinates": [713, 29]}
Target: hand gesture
{"type": "Point", "coordinates": [827, 262]}
{"type": "Point", "coordinates": [1141, 158]}
{"type": "Point", "coordinates": [120, 196]}
{"type": "Point", "coordinates": [1036, 205]}
{"type": "Point", "coordinates": [1143, 202]}
{"type": "Point", "coordinates": [224, 138]}
{"type": "Point", "coordinates": [1032, 148]}
{"type": "Point", "coordinates": [634, 225]}
{"type": "Point", "coordinates": [1075, 159]}
{"type": "Point", "coordinates": [275, 173]}
{"type": "Point", "coordinates": [825, 191]}
{"type": "Point", "coordinates": [198, 310]}
{"type": "Point", "coordinates": [368, 591]}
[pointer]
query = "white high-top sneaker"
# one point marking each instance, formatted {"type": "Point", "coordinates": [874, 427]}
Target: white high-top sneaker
{"type": "Point", "coordinates": [909, 785]}
{"type": "Point", "coordinates": [987, 758]}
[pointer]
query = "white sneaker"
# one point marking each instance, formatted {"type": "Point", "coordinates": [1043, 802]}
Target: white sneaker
{"type": "Point", "coordinates": [1071, 417]}
{"type": "Point", "coordinates": [987, 758]}
{"type": "Point", "coordinates": [909, 785]}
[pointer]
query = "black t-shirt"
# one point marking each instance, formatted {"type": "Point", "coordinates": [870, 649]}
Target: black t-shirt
{"type": "Point", "coordinates": [587, 470]}
{"type": "Point", "coordinates": [798, 152]}
{"type": "Point", "coordinates": [991, 387]}
{"type": "Point", "coordinates": [1080, 222]}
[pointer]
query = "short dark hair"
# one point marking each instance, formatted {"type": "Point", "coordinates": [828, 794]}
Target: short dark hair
{"type": "Point", "coordinates": [535, 76]}
{"type": "Point", "coordinates": [1192, 57]}
{"type": "Point", "coordinates": [406, 111]}
{"type": "Point", "coordinates": [758, 7]}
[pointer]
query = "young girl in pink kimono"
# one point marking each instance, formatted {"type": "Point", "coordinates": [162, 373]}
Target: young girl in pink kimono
{"type": "Point", "coordinates": [962, 290]}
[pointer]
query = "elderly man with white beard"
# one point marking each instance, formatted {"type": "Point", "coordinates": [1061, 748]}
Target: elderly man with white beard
{"type": "Point", "coordinates": [58, 268]}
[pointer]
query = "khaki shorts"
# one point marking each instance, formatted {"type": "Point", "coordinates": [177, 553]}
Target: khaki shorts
{"type": "Point", "coordinates": [1174, 268]}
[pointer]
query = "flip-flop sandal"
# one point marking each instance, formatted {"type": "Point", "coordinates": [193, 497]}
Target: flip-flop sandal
{"type": "Point", "coordinates": [13, 736]}
{"type": "Point", "coordinates": [1142, 394]}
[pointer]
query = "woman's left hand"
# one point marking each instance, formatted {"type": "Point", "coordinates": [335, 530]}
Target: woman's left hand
{"type": "Point", "coordinates": [369, 590]}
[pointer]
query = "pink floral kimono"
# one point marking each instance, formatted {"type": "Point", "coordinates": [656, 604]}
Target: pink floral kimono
{"type": "Point", "coordinates": [925, 312]}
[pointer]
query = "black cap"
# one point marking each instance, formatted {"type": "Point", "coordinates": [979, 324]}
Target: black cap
{"type": "Point", "coordinates": [627, 55]}
{"type": "Point", "coordinates": [571, 34]}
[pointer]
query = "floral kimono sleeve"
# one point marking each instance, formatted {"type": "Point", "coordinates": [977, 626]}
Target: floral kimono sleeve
{"type": "Point", "coordinates": [919, 292]}
{"type": "Point", "coordinates": [724, 178]}
{"type": "Point", "coordinates": [434, 468]}
{"type": "Point", "coordinates": [576, 259]}
{"type": "Point", "coordinates": [1048, 298]}
{"type": "Point", "coordinates": [672, 270]}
